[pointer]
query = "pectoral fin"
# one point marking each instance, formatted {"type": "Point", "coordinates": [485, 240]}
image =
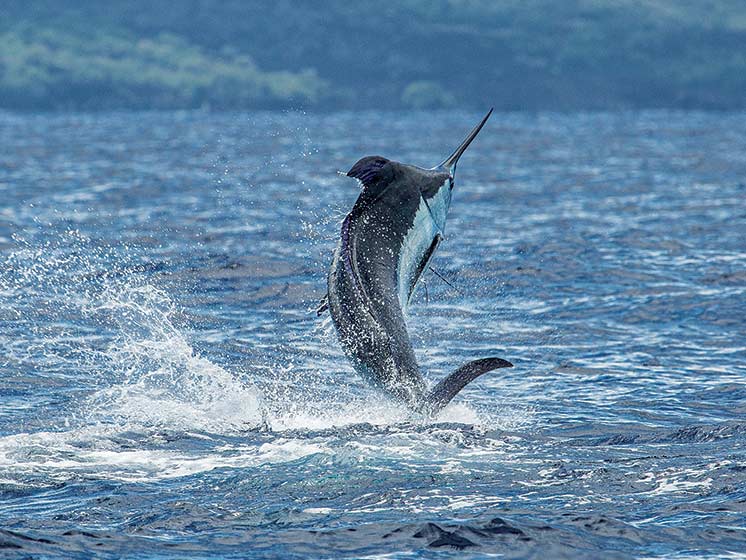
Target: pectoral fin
{"type": "Point", "coordinates": [323, 305]}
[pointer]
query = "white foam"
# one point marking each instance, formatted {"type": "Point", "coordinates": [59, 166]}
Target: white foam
{"type": "Point", "coordinates": [326, 415]}
{"type": "Point", "coordinates": [149, 384]}
{"type": "Point", "coordinates": [58, 456]}
{"type": "Point", "coordinates": [680, 480]}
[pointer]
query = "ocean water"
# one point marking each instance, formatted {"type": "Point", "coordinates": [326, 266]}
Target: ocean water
{"type": "Point", "coordinates": [166, 390]}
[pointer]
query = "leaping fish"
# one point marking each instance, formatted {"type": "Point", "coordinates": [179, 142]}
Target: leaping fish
{"type": "Point", "coordinates": [386, 243]}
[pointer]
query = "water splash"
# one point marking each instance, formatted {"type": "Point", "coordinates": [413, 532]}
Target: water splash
{"type": "Point", "coordinates": [141, 370]}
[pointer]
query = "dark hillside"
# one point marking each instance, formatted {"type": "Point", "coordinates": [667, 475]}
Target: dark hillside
{"type": "Point", "coordinates": [533, 54]}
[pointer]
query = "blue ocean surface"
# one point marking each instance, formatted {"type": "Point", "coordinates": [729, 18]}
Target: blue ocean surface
{"type": "Point", "coordinates": [167, 391]}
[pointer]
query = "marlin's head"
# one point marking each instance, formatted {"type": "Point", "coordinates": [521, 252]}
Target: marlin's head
{"type": "Point", "coordinates": [435, 184]}
{"type": "Point", "coordinates": [437, 190]}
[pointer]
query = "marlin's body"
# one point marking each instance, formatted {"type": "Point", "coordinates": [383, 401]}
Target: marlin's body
{"type": "Point", "coordinates": [386, 243]}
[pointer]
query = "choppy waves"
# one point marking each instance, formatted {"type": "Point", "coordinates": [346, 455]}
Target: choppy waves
{"type": "Point", "coordinates": [166, 392]}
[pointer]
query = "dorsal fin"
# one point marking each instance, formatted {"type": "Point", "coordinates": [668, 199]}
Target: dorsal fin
{"type": "Point", "coordinates": [368, 169]}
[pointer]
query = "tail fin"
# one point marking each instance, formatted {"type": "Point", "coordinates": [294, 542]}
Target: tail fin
{"type": "Point", "coordinates": [444, 391]}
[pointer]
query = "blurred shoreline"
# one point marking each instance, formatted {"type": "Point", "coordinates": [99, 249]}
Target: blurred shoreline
{"type": "Point", "coordinates": [532, 56]}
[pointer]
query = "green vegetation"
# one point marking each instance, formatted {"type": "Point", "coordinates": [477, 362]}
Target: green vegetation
{"type": "Point", "coordinates": [50, 68]}
{"type": "Point", "coordinates": [426, 95]}
{"type": "Point", "coordinates": [513, 54]}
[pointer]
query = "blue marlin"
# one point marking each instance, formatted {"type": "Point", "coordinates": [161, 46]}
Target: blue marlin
{"type": "Point", "coordinates": [386, 243]}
